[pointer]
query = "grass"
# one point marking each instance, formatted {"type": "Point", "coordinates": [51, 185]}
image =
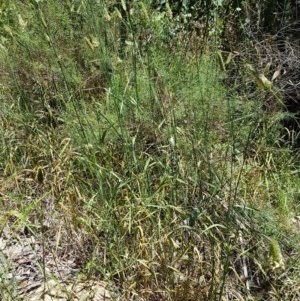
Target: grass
{"type": "Point", "coordinates": [141, 164]}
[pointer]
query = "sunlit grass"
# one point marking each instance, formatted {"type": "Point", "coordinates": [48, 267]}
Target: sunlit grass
{"type": "Point", "coordinates": [145, 168]}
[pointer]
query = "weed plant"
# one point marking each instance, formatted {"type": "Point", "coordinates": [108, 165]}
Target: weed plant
{"type": "Point", "coordinates": [133, 156]}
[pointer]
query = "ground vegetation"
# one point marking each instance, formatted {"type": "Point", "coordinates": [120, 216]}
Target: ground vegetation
{"type": "Point", "coordinates": [149, 150]}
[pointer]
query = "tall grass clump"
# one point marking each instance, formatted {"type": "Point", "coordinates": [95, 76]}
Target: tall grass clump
{"type": "Point", "coordinates": [127, 153]}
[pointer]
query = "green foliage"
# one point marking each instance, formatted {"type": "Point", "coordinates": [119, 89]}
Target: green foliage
{"type": "Point", "coordinates": [125, 146]}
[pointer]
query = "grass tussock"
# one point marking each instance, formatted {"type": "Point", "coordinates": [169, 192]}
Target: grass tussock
{"type": "Point", "coordinates": [127, 159]}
